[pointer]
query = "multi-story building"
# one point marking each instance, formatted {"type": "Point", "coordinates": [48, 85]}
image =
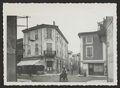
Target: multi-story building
{"type": "Point", "coordinates": [70, 60]}
{"type": "Point", "coordinates": [45, 48]}
{"type": "Point", "coordinates": [97, 50]}
{"type": "Point", "coordinates": [74, 63]}
{"type": "Point", "coordinates": [91, 49]}
{"type": "Point", "coordinates": [106, 26]}
{"type": "Point", "coordinates": [110, 59]}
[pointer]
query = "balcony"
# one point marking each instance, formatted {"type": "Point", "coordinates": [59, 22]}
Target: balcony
{"type": "Point", "coordinates": [49, 53]}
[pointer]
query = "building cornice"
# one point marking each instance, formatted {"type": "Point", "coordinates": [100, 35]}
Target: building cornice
{"type": "Point", "coordinates": [45, 26]}
{"type": "Point", "coordinates": [87, 33]}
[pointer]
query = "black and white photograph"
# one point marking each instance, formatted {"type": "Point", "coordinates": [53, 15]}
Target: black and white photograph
{"type": "Point", "coordinates": [60, 43]}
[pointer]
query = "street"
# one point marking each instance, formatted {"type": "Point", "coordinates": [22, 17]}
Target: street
{"type": "Point", "coordinates": [55, 78]}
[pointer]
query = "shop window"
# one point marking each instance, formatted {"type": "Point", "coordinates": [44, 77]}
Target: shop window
{"type": "Point", "coordinates": [98, 68]}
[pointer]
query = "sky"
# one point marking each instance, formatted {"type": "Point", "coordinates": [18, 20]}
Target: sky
{"type": "Point", "coordinates": [70, 18]}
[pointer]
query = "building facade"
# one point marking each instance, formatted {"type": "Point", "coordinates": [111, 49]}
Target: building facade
{"type": "Point", "coordinates": [110, 58]}
{"type": "Point", "coordinates": [70, 61]}
{"type": "Point", "coordinates": [76, 63]}
{"type": "Point", "coordinates": [107, 27]}
{"type": "Point", "coordinates": [92, 59]}
{"type": "Point", "coordinates": [46, 47]}
{"type": "Point", "coordinates": [19, 50]}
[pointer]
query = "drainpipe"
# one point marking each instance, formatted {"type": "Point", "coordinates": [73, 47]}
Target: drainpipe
{"type": "Point", "coordinates": [107, 60]}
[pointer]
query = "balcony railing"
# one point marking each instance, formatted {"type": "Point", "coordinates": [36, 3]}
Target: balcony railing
{"type": "Point", "coordinates": [49, 53]}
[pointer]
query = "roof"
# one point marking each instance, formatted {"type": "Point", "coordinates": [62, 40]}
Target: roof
{"type": "Point", "coordinates": [85, 33]}
{"type": "Point", "coordinates": [45, 26]}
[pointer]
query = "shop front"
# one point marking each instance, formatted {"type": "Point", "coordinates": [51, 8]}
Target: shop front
{"type": "Point", "coordinates": [49, 65]}
{"type": "Point", "coordinates": [96, 69]}
{"type": "Point", "coordinates": [30, 67]}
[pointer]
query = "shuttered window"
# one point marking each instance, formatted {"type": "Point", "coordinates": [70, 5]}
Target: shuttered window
{"type": "Point", "coordinates": [49, 33]}
{"type": "Point", "coordinates": [29, 50]}
{"type": "Point", "coordinates": [36, 49]}
{"type": "Point", "coordinates": [89, 51]}
{"type": "Point", "coordinates": [36, 34]}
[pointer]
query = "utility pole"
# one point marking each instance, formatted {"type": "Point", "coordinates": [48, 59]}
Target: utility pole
{"type": "Point", "coordinates": [107, 59]}
{"type": "Point", "coordinates": [23, 17]}
{"type": "Point", "coordinates": [26, 25]}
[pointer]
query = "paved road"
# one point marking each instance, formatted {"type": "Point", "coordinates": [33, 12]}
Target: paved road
{"type": "Point", "coordinates": [55, 78]}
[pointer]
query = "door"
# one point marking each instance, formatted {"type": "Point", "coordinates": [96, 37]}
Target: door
{"type": "Point", "coordinates": [91, 67]}
{"type": "Point", "coordinates": [49, 65]}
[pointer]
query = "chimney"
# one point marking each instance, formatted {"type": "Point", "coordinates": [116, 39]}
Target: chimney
{"type": "Point", "coordinates": [53, 22]}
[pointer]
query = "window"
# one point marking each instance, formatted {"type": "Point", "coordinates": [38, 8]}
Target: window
{"type": "Point", "coordinates": [36, 34]}
{"type": "Point", "coordinates": [28, 36]}
{"type": "Point", "coordinates": [89, 51]}
{"type": "Point", "coordinates": [89, 40]}
{"type": "Point", "coordinates": [98, 68]}
{"type": "Point", "coordinates": [49, 46]}
{"type": "Point", "coordinates": [29, 50]}
{"type": "Point", "coordinates": [57, 36]}
{"type": "Point", "coordinates": [36, 49]}
{"type": "Point", "coordinates": [49, 33]}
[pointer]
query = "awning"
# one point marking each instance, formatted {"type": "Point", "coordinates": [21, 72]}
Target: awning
{"type": "Point", "coordinates": [30, 62]}
{"type": "Point", "coordinates": [41, 62]}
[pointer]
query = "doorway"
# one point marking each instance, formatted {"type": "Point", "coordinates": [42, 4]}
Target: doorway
{"type": "Point", "coordinates": [49, 65]}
